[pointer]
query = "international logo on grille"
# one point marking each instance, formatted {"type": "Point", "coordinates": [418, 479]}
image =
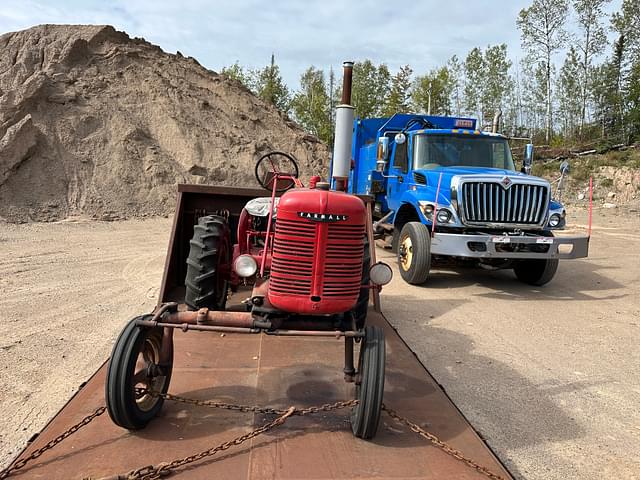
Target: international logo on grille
{"type": "Point", "coordinates": [506, 182]}
{"type": "Point", "coordinates": [323, 217]}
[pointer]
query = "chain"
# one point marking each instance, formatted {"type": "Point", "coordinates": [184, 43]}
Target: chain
{"type": "Point", "coordinates": [248, 408]}
{"type": "Point", "coordinates": [457, 454]}
{"type": "Point", "coordinates": [152, 472]}
{"type": "Point", "coordinates": [22, 462]}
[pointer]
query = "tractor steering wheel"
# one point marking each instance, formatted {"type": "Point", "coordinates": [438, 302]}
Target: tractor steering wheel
{"type": "Point", "coordinates": [277, 167]}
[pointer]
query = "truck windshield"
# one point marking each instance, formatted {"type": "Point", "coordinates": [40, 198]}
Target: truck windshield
{"type": "Point", "coordinates": [432, 151]}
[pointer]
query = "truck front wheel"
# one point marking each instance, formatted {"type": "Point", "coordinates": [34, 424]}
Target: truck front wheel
{"type": "Point", "coordinates": [537, 271]}
{"type": "Point", "coordinates": [414, 253]}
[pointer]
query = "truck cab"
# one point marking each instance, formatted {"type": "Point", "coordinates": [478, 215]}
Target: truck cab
{"type": "Point", "coordinates": [447, 192]}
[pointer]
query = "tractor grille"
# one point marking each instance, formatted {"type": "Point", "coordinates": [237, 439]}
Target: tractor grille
{"type": "Point", "coordinates": [486, 202]}
{"type": "Point", "coordinates": [292, 261]}
{"type": "Point", "coordinates": [294, 252]}
{"type": "Point", "coordinates": [343, 265]}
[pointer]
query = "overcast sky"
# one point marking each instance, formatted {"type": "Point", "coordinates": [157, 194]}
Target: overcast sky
{"type": "Point", "coordinates": [423, 34]}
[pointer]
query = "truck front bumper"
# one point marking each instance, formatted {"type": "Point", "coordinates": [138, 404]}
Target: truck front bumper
{"type": "Point", "coordinates": [509, 246]}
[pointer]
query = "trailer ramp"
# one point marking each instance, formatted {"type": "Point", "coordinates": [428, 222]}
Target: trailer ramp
{"type": "Point", "coordinates": [276, 372]}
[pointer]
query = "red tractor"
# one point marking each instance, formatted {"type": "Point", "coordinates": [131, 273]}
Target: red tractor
{"type": "Point", "coordinates": [305, 255]}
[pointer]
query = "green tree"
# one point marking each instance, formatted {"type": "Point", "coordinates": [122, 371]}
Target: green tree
{"type": "Point", "coordinates": [397, 101]}
{"type": "Point", "coordinates": [311, 105]}
{"type": "Point", "coordinates": [237, 72]}
{"type": "Point", "coordinates": [456, 76]}
{"type": "Point", "coordinates": [497, 81]}
{"type": "Point", "coordinates": [370, 88]}
{"type": "Point", "coordinates": [627, 70]}
{"type": "Point", "coordinates": [269, 85]}
{"type": "Point", "coordinates": [608, 92]}
{"type": "Point", "coordinates": [633, 101]}
{"type": "Point", "coordinates": [474, 69]}
{"type": "Point", "coordinates": [627, 22]}
{"type": "Point", "coordinates": [591, 43]}
{"type": "Point", "coordinates": [570, 104]}
{"type": "Point", "coordinates": [543, 34]}
{"type": "Point", "coordinates": [431, 92]}
{"type": "Point", "coordinates": [533, 96]}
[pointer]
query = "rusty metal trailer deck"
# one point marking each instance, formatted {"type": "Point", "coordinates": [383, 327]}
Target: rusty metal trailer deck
{"type": "Point", "coordinates": [276, 372]}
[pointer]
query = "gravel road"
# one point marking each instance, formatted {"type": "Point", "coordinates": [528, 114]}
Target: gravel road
{"type": "Point", "coordinates": [548, 376]}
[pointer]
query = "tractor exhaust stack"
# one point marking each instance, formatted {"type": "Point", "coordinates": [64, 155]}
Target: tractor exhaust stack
{"type": "Point", "coordinates": [344, 132]}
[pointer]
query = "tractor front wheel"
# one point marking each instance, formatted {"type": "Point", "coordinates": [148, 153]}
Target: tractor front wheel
{"type": "Point", "coordinates": [365, 416]}
{"type": "Point", "coordinates": [136, 364]}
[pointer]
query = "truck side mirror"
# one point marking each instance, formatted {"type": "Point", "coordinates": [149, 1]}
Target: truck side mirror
{"type": "Point", "coordinates": [382, 154]}
{"type": "Point", "coordinates": [528, 158]}
{"type": "Point", "coordinates": [564, 168]}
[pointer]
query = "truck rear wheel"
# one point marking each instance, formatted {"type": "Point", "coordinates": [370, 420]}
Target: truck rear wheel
{"type": "Point", "coordinates": [536, 271]}
{"type": "Point", "coordinates": [209, 251]}
{"type": "Point", "coordinates": [414, 253]}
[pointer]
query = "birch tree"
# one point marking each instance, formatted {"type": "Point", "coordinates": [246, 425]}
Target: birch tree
{"type": "Point", "coordinates": [592, 42]}
{"type": "Point", "coordinates": [543, 34]}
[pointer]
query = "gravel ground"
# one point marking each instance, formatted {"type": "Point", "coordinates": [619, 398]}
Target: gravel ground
{"type": "Point", "coordinates": [548, 376]}
{"type": "Point", "coordinates": [67, 289]}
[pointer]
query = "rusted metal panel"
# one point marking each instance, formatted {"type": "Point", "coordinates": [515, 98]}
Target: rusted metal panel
{"type": "Point", "coordinates": [279, 372]}
{"type": "Point", "coordinates": [195, 201]}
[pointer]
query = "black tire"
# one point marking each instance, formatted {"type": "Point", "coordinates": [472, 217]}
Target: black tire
{"type": "Point", "coordinates": [536, 272]}
{"type": "Point", "coordinates": [209, 250]}
{"type": "Point", "coordinates": [362, 305]}
{"type": "Point", "coordinates": [414, 253]}
{"type": "Point", "coordinates": [125, 408]}
{"type": "Point", "coordinates": [370, 389]}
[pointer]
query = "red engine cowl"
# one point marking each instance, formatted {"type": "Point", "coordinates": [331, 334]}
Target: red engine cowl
{"type": "Point", "coordinates": [316, 267]}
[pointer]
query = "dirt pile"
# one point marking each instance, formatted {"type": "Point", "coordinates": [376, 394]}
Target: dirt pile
{"type": "Point", "coordinates": [94, 122]}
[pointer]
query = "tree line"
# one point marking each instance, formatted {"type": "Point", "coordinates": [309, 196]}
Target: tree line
{"type": "Point", "coordinates": [572, 86]}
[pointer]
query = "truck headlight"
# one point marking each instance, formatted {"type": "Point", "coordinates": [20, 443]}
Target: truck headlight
{"type": "Point", "coordinates": [554, 220]}
{"type": "Point", "coordinates": [245, 266]}
{"type": "Point", "coordinates": [380, 273]}
{"type": "Point", "coordinates": [427, 209]}
{"type": "Point", "coordinates": [443, 215]}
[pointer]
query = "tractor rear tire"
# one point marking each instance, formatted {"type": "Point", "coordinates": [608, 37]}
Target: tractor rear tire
{"type": "Point", "coordinates": [210, 250]}
{"type": "Point", "coordinates": [362, 305]}
{"type": "Point", "coordinates": [536, 272]}
{"type": "Point", "coordinates": [369, 384]}
{"type": "Point", "coordinates": [135, 363]}
{"type": "Point", "coordinates": [414, 253]}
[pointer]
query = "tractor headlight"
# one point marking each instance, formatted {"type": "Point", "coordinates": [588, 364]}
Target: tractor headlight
{"type": "Point", "coordinates": [245, 266]}
{"type": "Point", "coordinates": [380, 273]}
{"type": "Point", "coordinates": [443, 216]}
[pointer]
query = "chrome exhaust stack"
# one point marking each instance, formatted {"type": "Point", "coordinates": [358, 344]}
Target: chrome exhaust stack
{"type": "Point", "coordinates": [343, 132]}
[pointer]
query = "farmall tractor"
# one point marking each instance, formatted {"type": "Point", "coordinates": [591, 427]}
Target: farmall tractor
{"type": "Point", "coordinates": [301, 257]}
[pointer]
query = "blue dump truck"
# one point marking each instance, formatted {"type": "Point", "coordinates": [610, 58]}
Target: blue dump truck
{"type": "Point", "coordinates": [447, 193]}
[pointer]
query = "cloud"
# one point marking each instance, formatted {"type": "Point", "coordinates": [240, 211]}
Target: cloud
{"type": "Point", "coordinates": [422, 34]}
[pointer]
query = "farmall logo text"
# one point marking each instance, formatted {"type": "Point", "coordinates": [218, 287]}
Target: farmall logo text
{"type": "Point", "coordinates": [323, 217]}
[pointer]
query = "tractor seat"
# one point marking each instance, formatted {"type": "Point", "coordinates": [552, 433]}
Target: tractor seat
{"type": "Point", "coordinates": [259, 207]}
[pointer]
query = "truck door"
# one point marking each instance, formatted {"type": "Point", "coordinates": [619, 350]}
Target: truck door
{"type": "Point", "coordinates": [398, 173]}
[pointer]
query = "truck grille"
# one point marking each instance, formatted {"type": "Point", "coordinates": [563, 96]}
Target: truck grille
{"type": "Point", "coordinates": [487, 202]}
{"type": "Point", "coordinates": [292, 265]}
